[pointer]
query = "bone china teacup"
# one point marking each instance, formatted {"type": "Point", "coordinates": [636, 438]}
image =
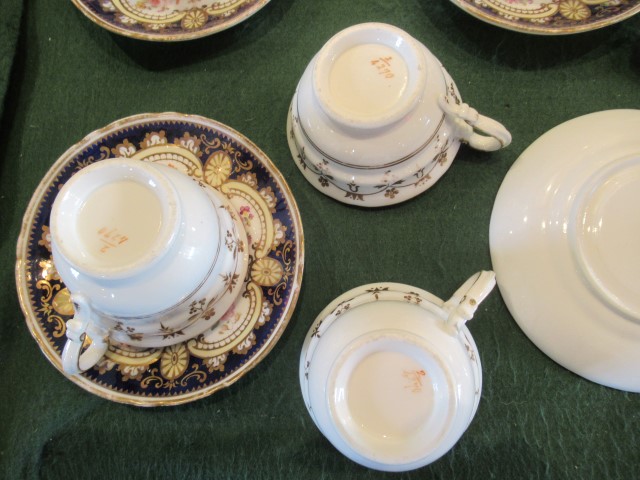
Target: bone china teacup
{"type": "Point", "coordinates": [139, 245]}
{"type": "Point", "coordinates": [376, 119]}
{"type": "Point", "coordinates": [391, 375]}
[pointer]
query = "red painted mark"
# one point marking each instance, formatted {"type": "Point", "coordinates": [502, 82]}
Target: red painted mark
{"type": "Point", "coordinates": [415, 379]}
{"type": "Point", "coordinates": [111, 238]}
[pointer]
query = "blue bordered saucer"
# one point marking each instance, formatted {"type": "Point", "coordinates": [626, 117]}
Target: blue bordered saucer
{"type": "Point", "coordinates": [168, 20]}
{"type": "Point", "coordinates": [190, 370]}
{"type": "Point", "coordinates": [544, 17]}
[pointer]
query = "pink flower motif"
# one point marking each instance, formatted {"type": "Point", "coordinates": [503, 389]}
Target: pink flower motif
{"type": "Point", "coordinates": [246, 215]}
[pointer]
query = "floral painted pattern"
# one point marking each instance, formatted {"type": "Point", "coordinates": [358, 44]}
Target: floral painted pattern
{"type": "Point", "coordinates": [193, 368]}
{"type": "Point", "coordinates": [367, 294]}
{"type": "Point", "coordinates": [387, 187]}
{"type": "Point", "coordinates": [168, 20]}
{"type": "Point", "coordinates": [551, 16]}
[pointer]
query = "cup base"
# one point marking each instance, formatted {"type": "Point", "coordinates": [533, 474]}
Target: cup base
{"type": "Point", "coordinates": [369, 75]}
{"type": "Point", "coordinates": [115, 219]}
{"type": "Point", "coordinates": [393, 398]}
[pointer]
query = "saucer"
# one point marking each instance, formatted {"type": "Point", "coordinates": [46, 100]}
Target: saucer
{"type": "Point", "coordinates": [543, 17]}
{"type": "Point", "coordinates": [168, 20]}
{"type": "Point", "coordinates": [223, 158]}
{"type": "Point", "coordinates": [563, 240]}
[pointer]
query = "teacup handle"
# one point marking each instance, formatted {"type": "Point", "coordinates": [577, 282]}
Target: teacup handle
{"type": "Point", "coordinates": [81, 326]}
{"type": "Point", "coordinates": [469, 122]}
{"type": "Point", "coordinates": [465, 301]}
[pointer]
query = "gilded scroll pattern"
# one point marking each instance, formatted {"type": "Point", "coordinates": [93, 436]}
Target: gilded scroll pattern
{"type": "Point", "coordinates": [164, 375]}
{"type": "Point", "coordinates": [168, 20]}
{"type": "Point", "coordinates": [551, 16]}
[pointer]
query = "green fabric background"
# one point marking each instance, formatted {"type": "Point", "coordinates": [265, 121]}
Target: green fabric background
{"type": "Point", "coordinates": [69, 77]}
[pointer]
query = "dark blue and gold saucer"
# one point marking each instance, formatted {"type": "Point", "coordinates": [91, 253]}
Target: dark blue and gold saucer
{"type": "Point", "coordinates": [168, 20]}
{"type": "Point", "coordinates": [223, 158]}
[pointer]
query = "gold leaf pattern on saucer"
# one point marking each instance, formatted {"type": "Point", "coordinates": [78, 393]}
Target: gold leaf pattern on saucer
{"type": "Point", "coordinates": [168, 20]}
{"type": "Point", "coordinates": [196, 367]}
{"type": "Point", "coordinates": [550, 17]}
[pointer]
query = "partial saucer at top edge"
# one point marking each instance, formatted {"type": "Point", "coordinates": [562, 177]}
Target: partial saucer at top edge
{"type": "Point", "coordinates": [168, 20]}
{"type": "Point", "coordinates": [564, 236]}
{"type": "Point", "coordinates": [543, 17]}
{"type": "Point", "coordinates": [225, 159]}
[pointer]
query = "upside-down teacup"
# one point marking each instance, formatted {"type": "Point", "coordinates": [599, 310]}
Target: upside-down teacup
{"type": "Point", "coordinates": [376, 120]}
{"type": "Point", "coordinates": [391, 375]}
{"type": "Point", "coordinates": [150, 256]}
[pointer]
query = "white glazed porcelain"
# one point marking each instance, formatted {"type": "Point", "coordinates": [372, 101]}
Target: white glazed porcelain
{"type": "Point", "coordinates": [150, 256]}
{"type": "Point", "coordinates": [564, 244]}
{"type": "Point", "coordinates": [390, 374]}
{"type": "Point", "coordinates": [376, 120]}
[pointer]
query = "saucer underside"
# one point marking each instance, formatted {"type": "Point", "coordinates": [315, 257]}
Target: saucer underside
{"type": "Point", "coordinates": [563, 237]}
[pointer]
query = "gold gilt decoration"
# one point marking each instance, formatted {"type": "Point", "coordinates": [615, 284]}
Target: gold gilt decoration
{"type": "Point", "coordinates": [218, 168]}
{"type": "Point", "coordinates": [47, 308]}
{"type": "Point", "coordinates": [168, 20]}
{"type": "Point", "coordinates": [551, 17]}
{"type": "Point", "coordinates": [193, 368]}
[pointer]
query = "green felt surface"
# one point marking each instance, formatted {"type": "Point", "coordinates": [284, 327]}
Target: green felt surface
{"type": "Point", "coordinates": [69, 77]}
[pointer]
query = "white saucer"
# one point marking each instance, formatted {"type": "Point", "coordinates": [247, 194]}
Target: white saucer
{"type": "Point", "coordinates": [564, 239]}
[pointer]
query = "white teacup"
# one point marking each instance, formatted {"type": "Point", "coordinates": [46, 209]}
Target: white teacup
{"type": "Point", "coordinates": [151, 257]}
{"type": "Point", "coordinates": [391, 375]}
{"type": "Point", "coordinates": [376, 119]}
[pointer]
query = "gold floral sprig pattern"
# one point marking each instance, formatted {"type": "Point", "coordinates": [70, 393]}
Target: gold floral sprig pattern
{"type": "Point", "coordinates": [360, 193]}
{"type": "Point", "coordinates": [386, 185]}
{"type": "Point", "coordinates": [374, 293]}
